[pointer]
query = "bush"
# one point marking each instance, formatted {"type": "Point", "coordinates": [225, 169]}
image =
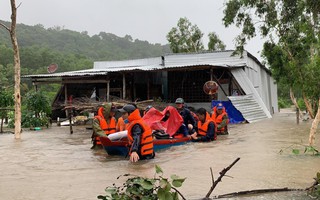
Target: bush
{"type": "Point", "coordinates": [145, 188]}
{"type": "Point", "coordinates": [301, 104]}
{"type": "Point", "coordinates": [35, 111]}
{"type": "Point", "coordinates": [283, 103]}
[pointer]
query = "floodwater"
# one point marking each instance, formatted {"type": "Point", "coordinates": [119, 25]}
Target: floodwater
{"type": "Point", "coordinates": [52, 164]}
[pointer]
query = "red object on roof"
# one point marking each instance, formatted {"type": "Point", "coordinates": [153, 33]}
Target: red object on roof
{"type": "Point", "coordinates": [52, 68]}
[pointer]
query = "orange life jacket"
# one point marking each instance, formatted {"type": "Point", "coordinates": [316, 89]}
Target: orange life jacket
{"type": "Point", "coordinates": [121, 126]}
{"type": "Point", "coordinates": [219, 118]}
{"type": "Point", "coordinates": [107, 128]}
{"type": "Point", "coordinates": [203, 127]}
{"type": "Point", "coordinates": [146, 142]}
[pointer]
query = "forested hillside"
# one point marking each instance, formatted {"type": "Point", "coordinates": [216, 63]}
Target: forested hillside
{"type": "Point", "coordinates": [71, 50]}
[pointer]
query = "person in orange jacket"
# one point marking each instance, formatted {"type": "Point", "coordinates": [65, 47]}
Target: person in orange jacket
{"type": "Point", "coordinates": [205, 129]}
{"type": "Point", "coordinates": [123, 122]}
{"type": "Point", "coordinates": [221, 119]}
{"type": "Point", "coordinates": [104, 123]}
{"type": "Point", "coordinates": [139, 135]}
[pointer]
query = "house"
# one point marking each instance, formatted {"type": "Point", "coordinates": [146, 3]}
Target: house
{"type": "Point", "coordinates": [244, 83]}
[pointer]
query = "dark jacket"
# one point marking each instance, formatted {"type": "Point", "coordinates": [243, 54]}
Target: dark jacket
{"type": "Point", "coordinates": [187, 117]}
{"type": "Point", "coordinates": [209, 136]}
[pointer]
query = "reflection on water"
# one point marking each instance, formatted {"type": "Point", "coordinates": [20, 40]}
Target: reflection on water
{"type": "Point", "coordinates": [52, 164]}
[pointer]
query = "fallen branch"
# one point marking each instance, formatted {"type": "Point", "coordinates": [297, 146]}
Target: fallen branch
{"type": "Point", "coordinates": [255, 192]}
{"type": "Point", "coordinates": [222, 173]}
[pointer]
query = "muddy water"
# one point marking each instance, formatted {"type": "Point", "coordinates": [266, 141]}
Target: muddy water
{"type": "Point", "coordinates": [52, 164]}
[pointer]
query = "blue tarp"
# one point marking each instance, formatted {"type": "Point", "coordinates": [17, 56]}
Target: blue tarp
{"type": "Point", "coordinates": [234, 115]}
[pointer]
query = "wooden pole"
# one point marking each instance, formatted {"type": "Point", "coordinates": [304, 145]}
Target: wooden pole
{"type": "Point", "coordinates": [215, 78]}
{"type": "Point", "coordinates": [70, 120]}
{"type": "Point", "coordinates": [297, 114]}
{"type": "Point", "coordinates": [108, 91]}
{"type": "Point", "coordinates": [123, 86]}
{"type": "Point", "coordinates": [148, 87]}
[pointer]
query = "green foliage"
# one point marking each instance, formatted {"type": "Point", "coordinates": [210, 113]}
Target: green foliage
{"type": "Point", "coordinates": [70, 50]}
{"type": "Point", "coordinates": [314, 191]}
{"type": "Point", "coordinates": [215, 43]}
{"type": "Point", "coordinates": [283, 103]}
{"type": "Point", "coordinates": [6, 101]}
{"type": "Point", "coordinates": [36, 110]}
{"type": "Point", "coordinates": [37, 102]}
{"type": "Point", "coordinates": [292, 31]}
{"type": "Point", "coordinates": [296, 149]}
{"type": "Point", "coordinates": [185, 37]}
{"type": "Point", "coordinates": [145, 188]}
{"type": "Point", "coordinates": [301, 104]}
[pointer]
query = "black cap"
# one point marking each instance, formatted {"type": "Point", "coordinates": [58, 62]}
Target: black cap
{"type": "Point", "coordinates": [127, 108]}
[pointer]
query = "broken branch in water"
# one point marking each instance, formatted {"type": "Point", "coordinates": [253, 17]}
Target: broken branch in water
{"type": "Point", "coordinates": [222, 173]}
{"type": "Point", "coordinates": [255, 192]}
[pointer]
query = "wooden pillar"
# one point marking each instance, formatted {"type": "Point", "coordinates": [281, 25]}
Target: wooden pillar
{"type": "Point", "coordinates": [211, 74]}
{"type": "Point", "coordinates": [123, 86]}
{"type": "Point", "coordinates": [70, 110]}
{"type": "Point", "coordinates": [108, 91]}
{"type": "Point", "coordinates": [65, 94]}
{"type": "Point", "coordinates": [148, 87]}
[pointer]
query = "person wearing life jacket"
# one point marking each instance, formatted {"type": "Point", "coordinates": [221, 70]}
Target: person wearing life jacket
{"type": "Point", "coordinates": [205, 129]}
{"type": "Point", "coordinates": [189, 123]}
{"type": "Point", "coordinates": [123, 122]}
{"type": "Point", "coordinates": [221, 119]}
{"type": "Point", "coordinates": [147, 109]}
{"type": "Point", "coordinates": [139, 135]}
{"type": "Point", "coordinates": [104, 123]}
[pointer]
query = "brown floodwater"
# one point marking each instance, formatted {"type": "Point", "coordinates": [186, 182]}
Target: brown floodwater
{"type": "Point", "coordinates": [54, 165]}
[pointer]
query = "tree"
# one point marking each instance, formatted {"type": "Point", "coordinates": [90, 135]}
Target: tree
{"type": "Point", "coordinates": [6, 102]}
{"type": "Point", "coordinates": [215, 43]}
{"type": "Point", "coordinates": [17, 96]}
{"type": "Point", "coordinates": [185, 37]}
{"type": "Point", "coordinates": [292, 47]}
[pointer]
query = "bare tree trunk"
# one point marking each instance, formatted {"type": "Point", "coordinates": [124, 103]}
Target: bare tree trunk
{"type": "Point", "coordinates": [309, 106]}
{"type": "Point", "coordinates": [1, 128]}
{"type": "Point", "coordinates": [314, 126]}
{"type": "Point", "coordinates": [294, 101]}
{"type": "Point", "coordinates": [17, 97]}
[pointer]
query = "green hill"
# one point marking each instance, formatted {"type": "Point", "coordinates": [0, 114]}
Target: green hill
{"type": "Point", "coordinates": [71, 50]}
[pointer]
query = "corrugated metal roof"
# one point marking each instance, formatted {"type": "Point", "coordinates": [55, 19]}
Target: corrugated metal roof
{"type": "Point", "coordinates": [127, 63]}
{"type": "Point", "coordinates": [219, 58]}
{"type": "Point", "coordinates": [87, 72]}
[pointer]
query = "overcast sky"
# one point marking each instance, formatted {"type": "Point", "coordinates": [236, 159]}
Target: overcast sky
{"type": "Point", "coordinates": [148, 20]}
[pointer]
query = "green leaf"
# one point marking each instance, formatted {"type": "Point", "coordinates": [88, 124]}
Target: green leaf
{"type": "Point", "coordinates": [161, 194]}
{"type": "Point", "coordinates": [111, 190]}
{"type": "Point", "coordinates": [148, 185]}
{"type": "Point", "coordinates": [158, 169]}
{"type": "Point", "coordinates": [177, 182]}
{"type": "Point", "coordinates": [165, 185]}
{"type": "Point", "coordinates": [318, 177]}
{"type": "Point", "coordinates": [175, 195]}
{"type": "Point", "coordinates": [296, 151]}
{"type": "Point", "coordinates": [310, 149]}
{"type": "Point", "coordinates": [164, 195]}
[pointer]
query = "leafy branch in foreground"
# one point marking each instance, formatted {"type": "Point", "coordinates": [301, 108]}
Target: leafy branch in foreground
{"type": "Point", "coordinates": [137, 188]}
{"type": "Point", "coordinates": [297, 148]}
{"type": "Point", "coordinates": [314, 190]}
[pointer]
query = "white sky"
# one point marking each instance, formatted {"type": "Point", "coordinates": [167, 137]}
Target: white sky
{"type": "Point", "coordinates": [148, 20]}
